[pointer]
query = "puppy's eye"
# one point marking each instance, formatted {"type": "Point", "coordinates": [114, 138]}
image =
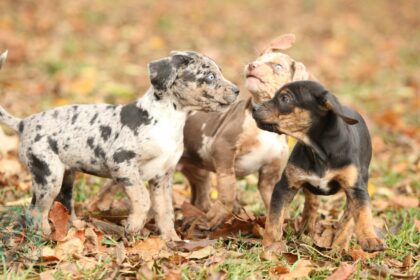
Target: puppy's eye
{"type": "Point", "coordinates": [285, 98]}
{"type": "Point", "coordinates": [211, 77]}
{"type": "Point", "coordinates": [278, 67]}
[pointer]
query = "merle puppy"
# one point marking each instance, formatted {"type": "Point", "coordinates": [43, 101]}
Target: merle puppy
{"type": "Point", "coordinates": [333, 154]}
{"type": "Point", "coordinates": [133, 143]}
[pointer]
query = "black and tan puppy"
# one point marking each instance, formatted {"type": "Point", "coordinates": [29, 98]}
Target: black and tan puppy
{"type": "Point", "coordinates": [332, 154]}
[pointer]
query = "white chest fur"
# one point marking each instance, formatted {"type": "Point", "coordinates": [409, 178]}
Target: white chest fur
{"type": "Point", "coordinates": [163, 141]}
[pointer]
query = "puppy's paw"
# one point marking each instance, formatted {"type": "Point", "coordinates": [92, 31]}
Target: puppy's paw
{"type": "Point", "coordinates": [133, 228]}
{"type": "Point", "coordinates": [372, 244]}
{"type": "Point", "coordinates": [170, 236]}
{"type": "Point", "coordinates": [218, 214]}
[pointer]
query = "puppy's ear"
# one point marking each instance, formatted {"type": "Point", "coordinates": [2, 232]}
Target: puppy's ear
{"type": "Point", "coordinates": [330, 103]}
{"type": "Point", "coordinates": [3, 58]}
{"type": "Point", "coordinates": [162, 73]}
{"type": "Point", "coordinates": [298, 72]}
{"type": "Point", "coordinates": [283, 42]}
{"type": "Point", "coordinates": [180, 59]}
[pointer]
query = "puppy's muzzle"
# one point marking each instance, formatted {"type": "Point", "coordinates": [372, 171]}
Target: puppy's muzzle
{"type": "Point", "coordinates": [259, 114]}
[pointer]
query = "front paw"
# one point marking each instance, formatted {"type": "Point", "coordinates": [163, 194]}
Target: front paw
{"type": "Point", "coordinates": [170, 235]}
{"type": "Point", "coordinates": [218, 214]}
{"type": "Point", "coordinates": [133, 227]}
{"type": "Point", "coordinates": [372, 244]}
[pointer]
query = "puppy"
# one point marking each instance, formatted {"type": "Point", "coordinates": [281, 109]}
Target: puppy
{"type": "Point", "coordinates": [230, 144]}
{"type": "Point", "coordinates": [133, 143]}
{"type": "Point", "coordinates": [333, 154]}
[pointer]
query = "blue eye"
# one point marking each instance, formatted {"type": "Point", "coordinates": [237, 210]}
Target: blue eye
{"type": "Point", "coordinates": [211, 77]}
{"type": "Point", "coordinates": [278, 67]}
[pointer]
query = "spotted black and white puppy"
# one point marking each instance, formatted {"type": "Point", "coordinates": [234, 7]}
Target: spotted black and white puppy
{"type": "Point", "coordinates": [133, 143]}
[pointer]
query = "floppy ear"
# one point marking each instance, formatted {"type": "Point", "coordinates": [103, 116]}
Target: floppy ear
{"type": "Point", "coordinates": [3, 58]}
{"type": "Point", "coordinates": [299, 72]}
{"type": "Point", "coordinates": [180, 59]}
{"type": "Point", "coordinates": [162, 74]}
{"type": "Point", "coordinates": [329, 103]}
{"type": "Point", "coordinates": [283, 42]}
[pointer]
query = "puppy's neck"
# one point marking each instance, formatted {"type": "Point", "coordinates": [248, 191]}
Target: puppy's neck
{"type": "Point", "coordinates": [161, 103]}
{"type": "Point", "coordinates": [329, 139]}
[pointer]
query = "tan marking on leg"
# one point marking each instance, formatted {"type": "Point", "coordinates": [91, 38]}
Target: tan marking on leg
{"type": "Point", "coordinates": [310, 212]}
{"type": "Point", "coordinates": [344, 229]}
{"type": "Point", "coordinates": [269, 175]}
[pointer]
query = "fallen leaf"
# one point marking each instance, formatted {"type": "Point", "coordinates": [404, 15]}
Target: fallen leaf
{"type": "Point", "coordinates": [343, 272]}
{"type": "Point", "coordinates": [48, 254]}
{"type": "Point", "coordinates": [200, 254]}
{"type": "Point", "coordinates": [120, 253]}
{"type": "Point", "coordinates": [190, 245]}
{"type": "Point", "coordinates": [290, 258]}
{"type": "Point", "coordinates": [233, 227]}
{"type": "Point", "coordinates": [188, 210]}
{"type": "Point", "coordinates": [69, 247]}
{"type": "Point", "coordinates": [173, 275]}
{"type": "Point", "coordinates": [177, 259]}
{"type": "Point", "coordinates": [276, 270]}
{"type": "Point", "coordinates": [303, 268]}
{"type": "Point", "coordinates": [405, 201]}
{"type": "Point", "coordinates": [407, 261]}
{"type": "Point", "coordinates": [359, 254]}
{"type": "Point", "coordinates": [418, 225]}
{"type": "Point", "coordinates": [59, 217]}
{"type": "Point", "coordinates": [149, 249]}
{"type": "Point", "coordinates": [325, 239]}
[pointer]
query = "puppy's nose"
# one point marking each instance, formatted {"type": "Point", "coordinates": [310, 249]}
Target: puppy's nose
{"type": "Point", "coordinates": [251, 66]}
{"type": "Point", "coordinates": [255, 108]}
{"type": "Point", "coordinates": [235, 90]}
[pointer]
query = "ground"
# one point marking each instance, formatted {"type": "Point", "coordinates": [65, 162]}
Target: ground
{"type": "Point", "coordinates": [84, 51]}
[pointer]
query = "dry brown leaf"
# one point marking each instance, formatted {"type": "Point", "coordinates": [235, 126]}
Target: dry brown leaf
{"type": "Point", "coordinates": [199, 254]}
{"type": "Point", "coordinates": [59, 217]}
{"type": "Point", "coordinates": [417, 222]}
{"type": "Point", "coordinates": [48, 254]}
{"type": "Point", "coordinates": [177, 259]}
{"type": "Point", "coordinates": [233, 227]}
{"type": "Point", "coordinates": [405, 201]}
{"type": "Point", "coordinates": [173, 275]}
{"type": "Point", "coordinates": [120, 253]}
{"type": "Point", "coordinates": [290, 258]}
{"type": "Point", "coordinates": [69, 247]}
{"type": "Point", "coordinates": [359, 254]}
{"type": "Point", "coordinates": [149, 249]}
{"type": "Point", "coordinates": [191, 245]}
{"type": "Point", "coordinates": [303, 269]}
{"type": "Point", "coordinates": [276, 270]}
{"type": "Point", "coordinates": [407, 261]}
{"type": "Point", "coordinates": [325, 239]}
{"type": "Point", "coordinates": [343, 272]}
{"type": "Point", "coordinates": [188, 211]}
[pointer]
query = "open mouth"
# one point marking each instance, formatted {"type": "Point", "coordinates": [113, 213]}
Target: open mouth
{"type": "Point", "coordinates": [253, 76]}
{"type": "Point", "coordinates": [272, 127]}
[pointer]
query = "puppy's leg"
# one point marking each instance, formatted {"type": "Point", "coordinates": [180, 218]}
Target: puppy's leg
{"type": "Point", "coordinates": [223, 207]}
{"type": "Point", "coordinates": [161, 188]}
{"type": "Point", "coordinates": [269, 175]}
{"type": "Point", "coordinates": [310, 212]}
{"type": "Point", "coordinates": [47, 179]}
{"type": "Point", "coordinates": [283, 194]}
{"type": "Point", "coordinates": [344, 230]}
{"type": "Point", "coordinates": [359, 204]}
{"type": "Point", "coordinates": [140, 205]}
{"type": "Point", "coordinates": [200, 182]}
{"type": "Point", "coordinates": [66, 193]}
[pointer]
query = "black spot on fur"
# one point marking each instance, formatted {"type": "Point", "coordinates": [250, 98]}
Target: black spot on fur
{"type": "Point", "coordinates": [207, 95]}
{"type": "Point", "coordinates": [74, 118]}
{"type": "Point", "coordinates": [123, 181]}
{"type": "Point", "coordinates": [66, 147]}
{"type": "Point", "coordinates": [174, 105]}
{"type": "Point", "coordinates": [188, 76]}
{"type": "Point", "coordinates": [37, 138]}
{"type": "Point", "coordinates": [133, 117]}
{"type": "Point", "coordinates": [123, 155]}
{"type": "Point", "coordinates": [109, 107]}
{"type": "Point", "coordinates": [93, 161]}
{"type": "Point", "coordinates": [90, 142]}
{"type": "Point", "coordinates": [99, 152]}
{"type": "Point", "coordinates": [39, 169]}
{"type": "Point", "coordinates": [105, 132]}
{"type": "Point", "coordinates": [55, 114]}
{"type": "Point", "coordinates": [53, 145]}
{"type": "Point", "coordinates": [38, 127]}
{"type": "Point", "coordinates": [92, 121]}
{"type": "Point", "coordinates": [75, 107]}
{"type": "Point", "coordinates": [21, 126]}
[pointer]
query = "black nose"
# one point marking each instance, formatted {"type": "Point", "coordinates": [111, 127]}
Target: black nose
{"type": "Point", "coordinates": [235, 90]}
{"type": "Point", "coordinates": [255, 108]}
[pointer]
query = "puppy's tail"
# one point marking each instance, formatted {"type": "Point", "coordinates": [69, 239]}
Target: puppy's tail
{"type": "Point", "coordinates": [9, 120]}
{"type": "Point", "coordinates": [5, 117]}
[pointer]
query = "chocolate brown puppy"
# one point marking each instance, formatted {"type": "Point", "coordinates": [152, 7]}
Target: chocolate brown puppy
{"type": "Point", "coordinates": [333, 154]}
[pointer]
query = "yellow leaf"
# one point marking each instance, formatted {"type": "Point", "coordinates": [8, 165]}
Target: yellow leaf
{"type": "Point", "coordinates": [371, 188]}
{"type": "Point", "coordinates": [214, 194]}
{"type": "Point", "coordinates": [291, 142]}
